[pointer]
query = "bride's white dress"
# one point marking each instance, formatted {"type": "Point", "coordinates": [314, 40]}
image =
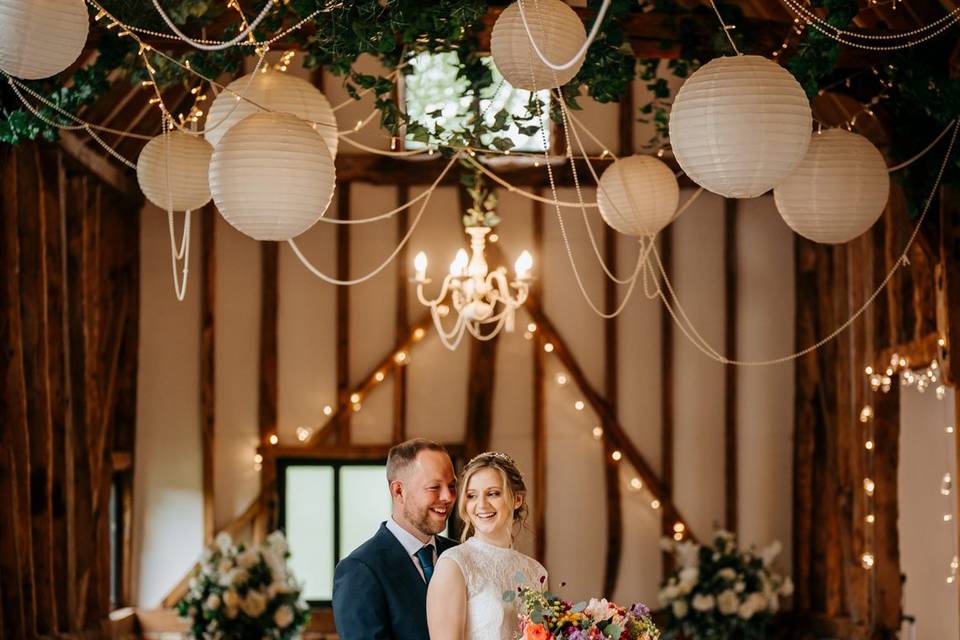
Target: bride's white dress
{"type": "Point", "coordinates": [489, 571]}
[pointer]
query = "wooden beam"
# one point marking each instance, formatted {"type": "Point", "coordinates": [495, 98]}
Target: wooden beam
{"type": "Point", "coordinates": [111, 173]}
{"type": "Point", "coordinates": [401, 321]}
{"type": "Point", "coordinates": [539, 402]}
{"type": "Point", "coordinates": [480, 391]}
{"type": "Point", "coordinates": [269, 298]}
{"type": "Point", "coordinates": [666, 397]}
{"type": "Point", "coordinates": [888, 595]}
{"type": "Point", "coordinates": [208, 306]}
{"type": "Point", "coordinates": [343, 314]}
{"type": "Point", "coordinates": [730, 258]}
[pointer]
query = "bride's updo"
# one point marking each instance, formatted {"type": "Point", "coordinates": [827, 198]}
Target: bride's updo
{"type": "Point", "coordinates": [513, 485]}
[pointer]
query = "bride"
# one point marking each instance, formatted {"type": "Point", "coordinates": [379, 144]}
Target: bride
{"type": "Point", "coordinates": [465, 597]}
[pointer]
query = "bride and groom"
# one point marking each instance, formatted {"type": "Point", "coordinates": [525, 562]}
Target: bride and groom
{"type": "Point", "coordinates": [409, 583]}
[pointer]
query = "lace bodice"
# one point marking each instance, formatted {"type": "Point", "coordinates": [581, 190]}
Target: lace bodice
{"type": "Point", "coordinates": [489, 571]}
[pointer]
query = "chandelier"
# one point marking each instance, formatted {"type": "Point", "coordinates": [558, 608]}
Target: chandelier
{"type": "Point", "coordinates": [485, 301]}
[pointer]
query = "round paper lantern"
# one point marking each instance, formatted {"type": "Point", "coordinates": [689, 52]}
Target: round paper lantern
{"type": "Point", "coordinates": [638, 195]}
{"type": "Point", "coordinates": [740, 125]}
{"type": "Point", "coordinates": [41, 38]}
{"type": "Point", "coordinates": [838, 191]}
{"type": "Point", "coordinates": [278, 92]}
{"type": "Point", "coordinates": [272, 176]}
{"type": "Point", "coordinates": [558, 32]}
{"type": "Point", "coordinates": [180, 160]}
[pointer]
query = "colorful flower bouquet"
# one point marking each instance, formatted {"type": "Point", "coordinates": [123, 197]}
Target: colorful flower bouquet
{"type": "Point", "coordinates": [237, 593]}
{"type": "Point", "coordinates": [544, 616]}
{"type": "Point", "coordinates": [718, 592]}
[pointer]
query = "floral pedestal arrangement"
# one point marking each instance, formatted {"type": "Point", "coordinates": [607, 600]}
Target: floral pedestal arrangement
{"type": "Point", "coordinates": [237, 593]}
{"type": "Point", "coordinates": [719, 592]}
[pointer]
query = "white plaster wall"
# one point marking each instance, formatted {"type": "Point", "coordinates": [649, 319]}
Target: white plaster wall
{"type": "Point", "coordinates": [926, 542]}
{"type": "Point", "coordinates": [168, 495]}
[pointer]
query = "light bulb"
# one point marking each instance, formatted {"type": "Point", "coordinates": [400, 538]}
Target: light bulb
{"type": "Point", "coordinates": [616, 455]}
{"type": "Point", "coordinates": [420, 265]}
{"type": "Point", "coordinates": [459, 265]}
{"type": "Point", "coordinates": [523, 265]}
{"type": "Point", "coordinates": [636, 484]}
{"type": "Point", "coordinates": [274, 439]}
{"type": "Point", "coordinates": [597, 433]}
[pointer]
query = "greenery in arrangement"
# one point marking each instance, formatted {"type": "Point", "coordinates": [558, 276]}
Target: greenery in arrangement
{"type": "Point", "coordinates": [235, 592]}
{"type": "Point", "coordinates": [922, 100]}
{"type": "Point", "coordinates": [720, 592]}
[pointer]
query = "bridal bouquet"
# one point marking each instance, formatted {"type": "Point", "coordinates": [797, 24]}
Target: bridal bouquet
{"type": "Point", "coordinates": [235, 592]}
{"type": "Point", "coordinates": [544, 616]}
{"type": "Point", "coordinates": [719, 592]}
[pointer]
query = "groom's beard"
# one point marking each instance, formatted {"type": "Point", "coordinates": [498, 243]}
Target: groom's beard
{"type": "Point", "coordinates": [424, 521]}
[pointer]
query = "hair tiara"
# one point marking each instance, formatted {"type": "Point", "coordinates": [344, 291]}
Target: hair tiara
{"type": "Point", "coordinates": [497, 455]}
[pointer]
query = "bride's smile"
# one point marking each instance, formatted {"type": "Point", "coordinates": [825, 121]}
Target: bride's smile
{"type": "Point", "coordinates": [490, 507]}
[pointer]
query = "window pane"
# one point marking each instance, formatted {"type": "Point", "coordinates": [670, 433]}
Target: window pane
{"type": "Point", "coordinates": [309, 523]}
{"type": "Point", "coordinates": [364, 504]}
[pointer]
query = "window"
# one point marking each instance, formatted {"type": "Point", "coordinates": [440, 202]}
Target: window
{"type": "Point", "coordinates": [434, 95]}
{"type": "Point", "coordinates": [327, 510]}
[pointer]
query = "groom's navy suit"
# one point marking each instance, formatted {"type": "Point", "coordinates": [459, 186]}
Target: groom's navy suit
{"type": "Point", "coordinates": [378, 593]}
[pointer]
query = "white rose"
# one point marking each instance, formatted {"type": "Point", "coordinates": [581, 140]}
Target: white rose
{"type": "Point", "coordinates": [235, 578]}
{"type": "Point", "coordinates": [213, 601]}
{"type": "Point", "coordinates": [283, 616]}
{"type": "Point", "coordinates": [680, 608]}
{"type": "Point", "coordinates": [230, 612]}
{"type": "Point", "coordinates": [739, 586]}
{"type": "Point", "coordinates": [703, 602]}
{"type": "Point", "coordinates": [672, 592]}
{"type": "Point", "coordinates": [599, 609]}
{"type": "Point", "coordinates": [755, 602]}
{"type": "Point", "coordinates": [688, 554]}
{"type": "Point", "coordinates": [728, 602]}
{"type": "Point", "coordinates": [769, 554]}
{"type": "Point", "coordinates": [666, 544]}
{"type": "Point", "coordinates": [275, 588]}
{"type": "Point", "coordinates": [786, 589]}
{"type": "Point", "coordinates": [278, 568]}
{"type": "Point", "coordinates": [689, 576]}
{"type": "Point", "coordinates": [278, 542]}
{"type": "Point", "coordinates": [231, 599]}
{"type": "Point", "coordinates": [224, 566]}
{"type": "Point", "coordinates": [727, 574]}
{"type": "Point", "coordinates": [254, 604]}
{"type": "Point", "coordinates": [248, 559]}
{"type": "Point", "coordinates": [225, 542]}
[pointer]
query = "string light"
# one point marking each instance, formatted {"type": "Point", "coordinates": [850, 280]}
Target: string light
{"type": "Point", "coordinates": [578, 405]}
{"type": "Point", "coordinates": [597, 433]}
{"type": "Point", "coordinates": [327, 410]}
{"type": "Point", "coordinates": [548, 347]}
{"type": "Point", "coordinates": [617, 456]}
{"type": "Point", "coordinates": [274, 439]}
{"type": "Point", "coordinates": [561, 379]}
{"type": "Point", "coordinates": [303, 434]}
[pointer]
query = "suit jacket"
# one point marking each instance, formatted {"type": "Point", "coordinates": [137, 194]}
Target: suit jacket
{"type": "Point", "coordinates": [378, 593]}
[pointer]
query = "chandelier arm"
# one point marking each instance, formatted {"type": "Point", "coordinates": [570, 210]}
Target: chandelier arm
{"type": "Point", "coordinates": [474, 329]}
{"type": "Point", "coordinates": [450, 340]}
{"type": "Point", "coordinates": [443, 292]}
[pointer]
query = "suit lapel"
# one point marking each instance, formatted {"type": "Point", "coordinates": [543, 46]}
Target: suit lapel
{"type": "Point", "coordinates": [399, 565]}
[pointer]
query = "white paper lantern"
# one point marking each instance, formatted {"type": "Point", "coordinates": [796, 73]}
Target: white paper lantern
{"type": "Point", "coordinates": [638, 195]}
{"type": "Point", "coordinates": [740, 125]}
{"type": "Point", "coordinates": [278, 92]}
{"type": "Point", "coordinates": [558, 32]}
{"type": "Point", "coordinates": [838, 191]}
{"type": "Point", "coordinates": [41, 38]}
{"type": "Point", "coordinates": [272, 176]}
{"type": "Point", "coordinates": [180, 160]}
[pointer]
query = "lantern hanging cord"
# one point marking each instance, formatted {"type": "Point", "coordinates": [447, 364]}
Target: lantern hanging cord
{"type": "Point", "coordinates": [726, 28]}
{"type": "Point", "coordinates": [583, 49]}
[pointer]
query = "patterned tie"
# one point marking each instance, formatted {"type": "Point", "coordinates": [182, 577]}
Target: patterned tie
{"type": "Point", "coordinates": [425, 556]}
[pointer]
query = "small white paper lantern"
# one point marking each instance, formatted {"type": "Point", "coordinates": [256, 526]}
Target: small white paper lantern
{"type": "Point", "coordinates": [180, 160]}
{"type": "Point", "coordinates": [638, 195]}
{"type": "Point", "coordinates": [740, 125]}
{"type": "Point", "coordinates": [41, 38]}
{"type": "Point", "coordinates": [558, 32]}
{"type": "Point", "coordinates": [278, 92]}
{"type": "Point", "coordinates": [838, 191]}
{"type": "Point", "coordinates": [272, 176]}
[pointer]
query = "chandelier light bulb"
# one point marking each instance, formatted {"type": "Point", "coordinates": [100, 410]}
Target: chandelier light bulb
{"type": "Point", "coordinates": [458, 268]}
{"type": "Point", "coordinates": [523, 265]}
{"type": "Point", "coordinates": [420, 265]}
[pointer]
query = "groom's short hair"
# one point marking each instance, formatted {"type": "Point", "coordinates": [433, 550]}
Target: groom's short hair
{"type": "Point", "coordinates": [402, 455]}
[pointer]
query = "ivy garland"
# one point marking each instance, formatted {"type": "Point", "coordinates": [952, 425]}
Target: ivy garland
{"type": "Point", "coordinates": [924, 100]}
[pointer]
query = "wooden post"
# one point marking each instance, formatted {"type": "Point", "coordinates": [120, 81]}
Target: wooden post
{"type": "Point", "coordinates": [208, 305]}
{"type": "Point", "coordinates": [402, 324]}
{"type": "Point", "coordinates": [269, 298]}
{"type": "Point", "coordinates": [730, 257]}
{"type": "Point", "coordinates": [343, 314]}
{"type": "Point", "coordinates": [666, 397]}
{"type": "Point", "coordinates": [539, 403]}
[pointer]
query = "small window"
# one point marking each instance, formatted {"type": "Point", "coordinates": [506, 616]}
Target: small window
{"type": "Point", "coordinates": [327, 510]}
{"type": "Point", "coordinates": [434, 95]}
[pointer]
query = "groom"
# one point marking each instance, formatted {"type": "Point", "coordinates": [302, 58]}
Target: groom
{"type": "Point", "coordinates": [380, 590]}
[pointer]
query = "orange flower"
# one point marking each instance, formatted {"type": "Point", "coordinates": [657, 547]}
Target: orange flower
{"type": "Point", "coordinates": [535, 632]}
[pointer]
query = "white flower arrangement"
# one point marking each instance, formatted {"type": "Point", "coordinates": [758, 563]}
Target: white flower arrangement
{"type": "Point", "coordinates": [235, 592]}
{"type": "Point", "coordinates": [718, 592]}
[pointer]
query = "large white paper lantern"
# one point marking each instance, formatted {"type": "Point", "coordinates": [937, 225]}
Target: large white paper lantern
{"type": "Point", "coordinates": [638, 195]}
{"type": "Point", "coordinates": [181, 161]}
{"type": "Point", "coordinates": [838, 191]}
{"type": "Point", "coordinates": [740, 125]}
{"type": "Point", "coordinates": [272, 176]}
{"type": "Point", "coordinates": [558, 32]}
{"type": "Point", "coordinates": [41, 38]}
{"type": "Point", "coordinates": [275, 91]}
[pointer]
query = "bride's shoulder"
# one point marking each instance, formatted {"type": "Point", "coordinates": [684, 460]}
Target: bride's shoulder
{"type": "Point", "coordinates": [534, 566]}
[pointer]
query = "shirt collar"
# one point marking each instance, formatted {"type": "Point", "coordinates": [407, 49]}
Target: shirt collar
{"type": "Point", "coordinates": [409, 541]}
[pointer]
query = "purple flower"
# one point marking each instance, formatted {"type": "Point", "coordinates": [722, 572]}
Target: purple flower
{"type": "Point", "coordinates": [576, 634]}
{"type": "Point", "coordinates": [639, 610]}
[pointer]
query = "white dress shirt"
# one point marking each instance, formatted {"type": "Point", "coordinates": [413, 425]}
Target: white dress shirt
{"type": "Point", "coordinates": [411, 544]}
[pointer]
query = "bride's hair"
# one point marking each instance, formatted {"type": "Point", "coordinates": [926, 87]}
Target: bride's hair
{"type": "Point", "coordinates": [512, 482]}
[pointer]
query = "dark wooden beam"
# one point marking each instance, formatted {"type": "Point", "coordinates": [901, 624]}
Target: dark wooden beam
{"type": "Point", "coordinates": [666, 397]}
{"type": "Point", "coordinates": [343, 315]}
{"type": "Point", "coordinates": [888, 594]}
{"type": "Point", "coordinates": [539, 402]}
{"type": "Point", "coordinates": [269, 298]}
{"type": "Point", "coordinates": [402, 320]}
{"type": "Point", "coordinates": [730, 256]}
{"type": "Point", "coordinates": [480, 391]}
{"type": "Point", "coordinates": [208, 306]}
{"type": "Point", "coordinates": [106, 169]}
